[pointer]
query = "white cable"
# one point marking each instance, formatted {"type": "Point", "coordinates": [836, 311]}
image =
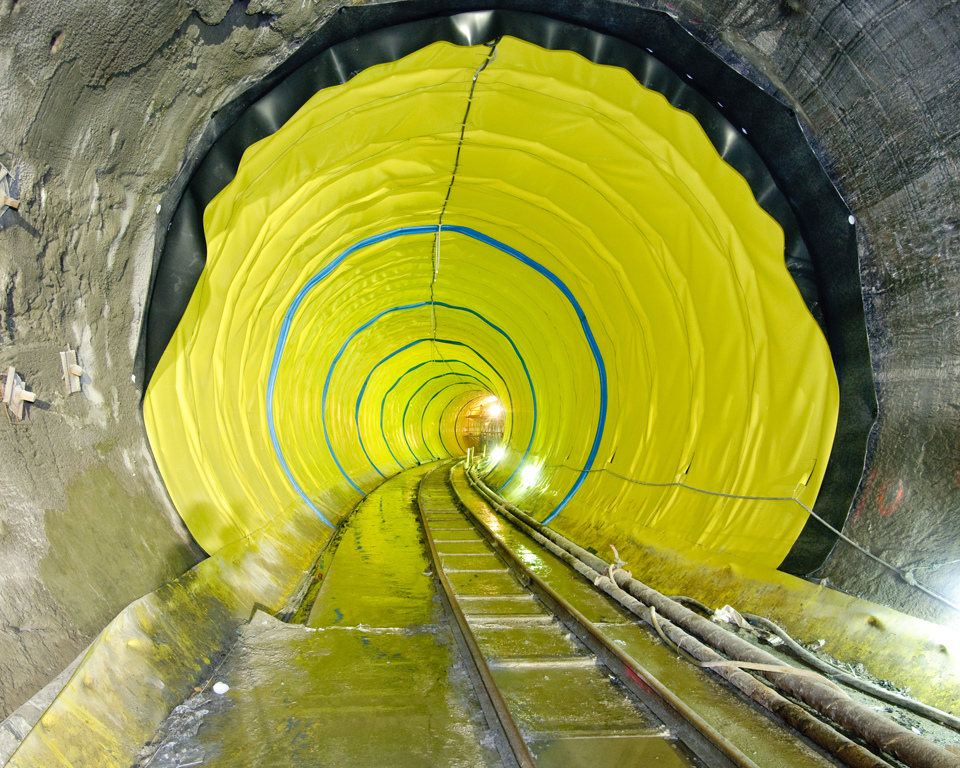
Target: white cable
{"type": "Point", "coordinates": [907, 576]}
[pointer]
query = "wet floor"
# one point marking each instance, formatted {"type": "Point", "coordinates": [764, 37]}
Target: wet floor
{"type": "Point", "coordinates": [755, 734]}
{"type": "Point", "coordinates": [374, 676]}
{"type": "Point", "coordinates": [374, 679]}
{"type": "Point", "coordinates": [570, 710]}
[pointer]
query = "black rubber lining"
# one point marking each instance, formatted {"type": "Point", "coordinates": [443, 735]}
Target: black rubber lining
{"type": "Point", "coordinates": [753, 131]}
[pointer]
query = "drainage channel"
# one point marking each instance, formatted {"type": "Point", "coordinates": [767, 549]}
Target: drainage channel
{"type": "Point", "coordinates": [561, 694]}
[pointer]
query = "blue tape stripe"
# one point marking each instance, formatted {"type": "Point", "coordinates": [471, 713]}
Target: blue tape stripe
{"type": "Point", "coordinates": [591, 341]}
{"type": "Point", "coordinates": [422, 341]}
{"type": "Point", "coordinates": [326, 386]}
{"type": "Point", "coordinates": [440, 428]}
{"type": "Point", "coordinates": [285, 333]}
{"type": "Point", "coordinates": [457, 418]}
{"type": "Point", "coordinates": [423, 413]}
{"type": "Point", "coordinates": [533, 394]}
{"type": "Point", "coordinates": [404, 307]}
{"type": "Point", "coordinates": [403, 420]}
{"type": "Point", "coordinates": [356, 411]}
{"type": "Point", "coordinates": [383, 402]}
{"type": "Point", "coordinates": [420, 230]}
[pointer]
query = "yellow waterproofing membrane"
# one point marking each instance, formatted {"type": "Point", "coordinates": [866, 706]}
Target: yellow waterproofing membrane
{"type": "Point", "coordinates": [503, 221]}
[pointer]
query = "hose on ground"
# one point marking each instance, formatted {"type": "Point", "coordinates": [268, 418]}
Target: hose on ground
{"type": "Point", "coordinates": [793, 715]}
{"type": "Point", "coordinates": [837, 674]}
{"type": "Point", "coordinates": [691, 603]}
{"type": "Point", "coordinates": [876, 729]}
{"type": "Point", "coordinates": [864, 686]}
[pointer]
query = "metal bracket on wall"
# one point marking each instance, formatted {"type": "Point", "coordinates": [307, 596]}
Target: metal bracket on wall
{"type": "Point", "coordinates": [71, 371]}
{"type": "Point", "coordinates": [15, 395]}
{"type": "Point", "coordinates": [5, 200]}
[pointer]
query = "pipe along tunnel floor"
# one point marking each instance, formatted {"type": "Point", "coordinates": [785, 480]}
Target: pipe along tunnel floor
{"type": "Point", "coordinates": [375, 675]}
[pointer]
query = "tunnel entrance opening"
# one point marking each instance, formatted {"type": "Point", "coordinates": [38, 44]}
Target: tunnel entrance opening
{"type": "Point", "coordinates": [186, 250]}
{"type": "Point", "coordinates": [480, 425]}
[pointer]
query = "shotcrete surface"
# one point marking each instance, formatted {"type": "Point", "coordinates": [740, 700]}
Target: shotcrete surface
{"type": "Point", "coordinates": [99, 104]}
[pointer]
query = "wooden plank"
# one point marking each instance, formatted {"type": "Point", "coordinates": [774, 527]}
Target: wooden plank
{"type": "Point", "coordinates": [8, 387]}
{"type": "Point", "coordinates": [15, 394]}
{"type": "Point", "coordinates": [71, 371]}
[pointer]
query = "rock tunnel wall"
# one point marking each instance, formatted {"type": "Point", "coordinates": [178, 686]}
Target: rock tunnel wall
{"type": "Point", "coordinates": [101, 105]}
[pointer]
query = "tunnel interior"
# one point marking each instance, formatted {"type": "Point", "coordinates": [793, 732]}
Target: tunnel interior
{"type": "Point", "coordinates": [390, 215]}
{"type": "Point", "coordinates": [684, 292]}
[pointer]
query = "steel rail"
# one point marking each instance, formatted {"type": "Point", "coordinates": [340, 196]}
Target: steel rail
{"type": "Point", "coordinates": [874, 728]}
{"type": "Point", "coordinates": [705, 741]}
{"type": "Point", "coordinates": [513, 747]}
{"type": "Point", "coordinates": [819, 733]}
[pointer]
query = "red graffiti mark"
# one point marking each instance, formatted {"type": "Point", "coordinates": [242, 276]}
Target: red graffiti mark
{"type": "Point", "coordinates": [889, 509]}
{"type": "Point", "coordinates": [637, 679]}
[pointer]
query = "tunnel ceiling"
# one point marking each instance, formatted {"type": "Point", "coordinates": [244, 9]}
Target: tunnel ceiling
{"type": "Point", "coordinates": [500, 219]}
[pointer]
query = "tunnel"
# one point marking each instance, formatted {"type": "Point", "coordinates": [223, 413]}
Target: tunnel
{"type": "Point", "coordinates": [675, 283]}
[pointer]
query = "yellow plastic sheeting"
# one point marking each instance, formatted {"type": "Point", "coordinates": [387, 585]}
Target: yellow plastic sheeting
{"type": "Point", "coordinates": [715, 372]}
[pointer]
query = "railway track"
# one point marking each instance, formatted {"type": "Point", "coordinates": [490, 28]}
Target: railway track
{"type": "Point", "coordinates": [553, 688]}
{"type": "Point", "coordinates": [375, 677]}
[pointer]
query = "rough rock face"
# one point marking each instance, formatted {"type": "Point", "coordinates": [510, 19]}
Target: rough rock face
{"type": "Point", "coordinates": [874, 87]}
{"type": "Point", "coordinates": [101, 102]}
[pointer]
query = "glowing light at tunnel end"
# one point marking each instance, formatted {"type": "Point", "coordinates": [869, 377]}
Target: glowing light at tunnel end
{"type": "Point", "coordinates": [294, 306]}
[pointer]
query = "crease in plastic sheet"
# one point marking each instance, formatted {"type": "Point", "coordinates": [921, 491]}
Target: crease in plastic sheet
{"type": "Point", "coordinates": [717, 374]}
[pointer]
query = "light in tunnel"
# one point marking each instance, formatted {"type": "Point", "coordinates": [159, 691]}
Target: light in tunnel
{"type": "Point", "coordinates": [495, 410]}
{"type": "Point", "coordinates": [496, 454]}
{"type": "Point", "coordinates": [529, 475]}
